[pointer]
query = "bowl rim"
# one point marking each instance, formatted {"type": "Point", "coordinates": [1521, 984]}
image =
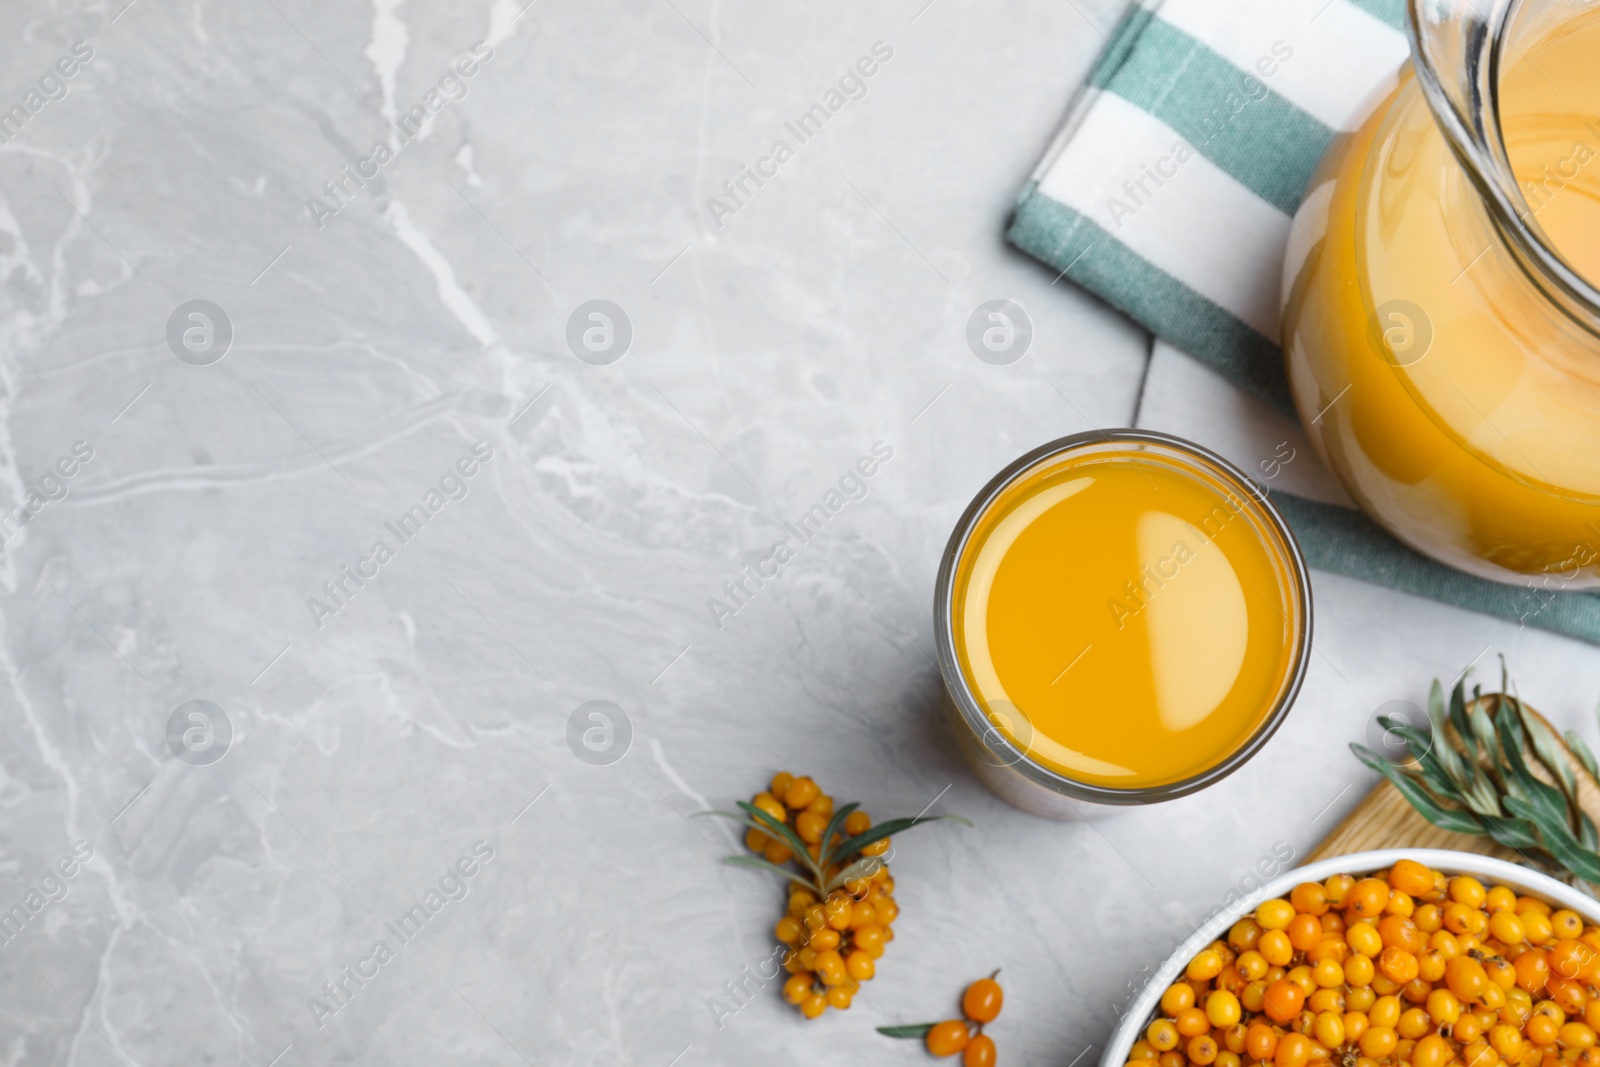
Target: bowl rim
{"type": "Point", "coordinates": [1498, 871]}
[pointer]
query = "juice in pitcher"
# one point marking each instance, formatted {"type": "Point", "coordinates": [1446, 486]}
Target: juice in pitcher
{"type": "Point", "coordinates": [1442, 329]}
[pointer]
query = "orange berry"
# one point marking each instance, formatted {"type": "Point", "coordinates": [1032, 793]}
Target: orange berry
{"type": "Point", "coordinates": [801, 792]}
{"type": "Point", "coordinates": [814, 1005]}
{"type": "Point", "coordinates": [1162, 1035]}
{"type": "Point", "coordinates": [1507, 928]}
{"type": "Point", "coordinates": [809, 825]}
{"type": "Point", "coordinates": [1400, 932]}
{"type": "Point", "coordinates": [869, 939]}
{"type": "Point", "coordinates": [1304, 932]}
{"type": "Point", "coordinates": [1465, 889]}
{"type": "Point", "coordinates": [951, 1036]}
{"type": "Point", "coordinates": [1309, 898]}
{"type": "Point", "coordinates": [1244, 934]}
{"type": "Point", "coordinates": [1566, 923]}
{"type": "Point", "coordinates": [859, 965]}
{"type": "Point", "coordinates": [1260, 1041]}
{"type": "Point", "coordinates": [1541, 1030]}
{"type": "Point", "coordinates": [1367, 898]}
{"type": "Point", "coordinates": [1411, 877]}
{"type": "Point", "coordinates": [1536, 926]}
{"type": "Point", "coordinates": [1294, 1050]}
{"type": "Point", "coordinates": [1359, 971]}
{"type": "Point", "coordinates": [1533, 970]}
{"type": "Point", "coordinates": [1192, 1022]}
{"type": "Point", "coordinates": [1431, 1051]}
{"type": "Point", "coordinates": [1274, 914]}
{"type": "Point", "coordinates": [1177, 997]}
{"type": "Point", "coordinates": [1567, 957]}
{"type": "Point", "coordinates": [1275, 948]}
{"type": "Point", "coordinates": [1202, 1049]}
{"type": "Point", "coordinates": [1400, 966]}
{"type": "Point", "coordinates": [1328, 1029]}
{"type": "Point", "coordinates": [1378, 1042]}
{"type": "Point", "coordinates": [798, 987]}
{"type": "Point", "coordinates": [827, 937]}
{"type": "Point", "coordinates": [1207, 964]}
{"type": "Point", "coordinates": [983, 999]}
{"type": "Point", "coordinates": [1283, 1001]}
{"type": "Point", "coordinates": [1575, 1035]}
{"type": "Point", "coordinates": [857, 822]}
{"type": "Point", "coordinates": [1466, 978]}
{"type": "Point", "coordinates": [1364, 938]}
{"type": "Point", "coordinates": [777, 852]}
{"type": "Point", "coordinates": [1506, 1040]}
{"type": "Point", "coordinates": [1222, 1009]}
{"type": "Point", "coordinates": [979, 1052]}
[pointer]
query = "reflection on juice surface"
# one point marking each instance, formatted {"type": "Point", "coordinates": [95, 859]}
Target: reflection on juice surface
{"type": "Point", "coordinates": [1123, 618]}
{"type": "Point", "coordinates": [1455, 402]}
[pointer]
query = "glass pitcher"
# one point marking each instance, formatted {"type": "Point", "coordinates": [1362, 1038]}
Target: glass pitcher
{"type": "Point", "coordinates": [1441, 321]}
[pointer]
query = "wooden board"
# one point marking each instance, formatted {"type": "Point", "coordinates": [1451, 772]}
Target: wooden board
{"type": "Point", "coordinates": [1385, 820]}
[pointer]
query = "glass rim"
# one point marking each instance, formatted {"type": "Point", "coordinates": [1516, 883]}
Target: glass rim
{"type": "Point", "coordinates": [966, 702]}
{"type": "Point", "coordinates": [1477, 140]}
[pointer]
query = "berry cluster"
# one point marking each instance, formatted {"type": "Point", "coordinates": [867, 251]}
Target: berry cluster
{"type": "Point", "coordinates": [841, 896]}
{"type": "Point", "coordinates": [835, 938]}
{"type": "Point", "coordinates": [1406, 966]}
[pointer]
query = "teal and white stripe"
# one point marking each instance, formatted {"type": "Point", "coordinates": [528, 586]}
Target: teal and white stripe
{"type": "Point", "coordinates": [1171, 192]}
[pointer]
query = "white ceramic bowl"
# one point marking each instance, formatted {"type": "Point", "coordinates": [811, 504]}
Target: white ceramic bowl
{"type": "Point", "coordinates": [1489, 871]}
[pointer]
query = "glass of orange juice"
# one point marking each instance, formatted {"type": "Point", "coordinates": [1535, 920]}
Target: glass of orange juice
{"type": "Point", "coordinates": [1441, 321]}
{"type": "Point", "coordinates": [1122, 617]}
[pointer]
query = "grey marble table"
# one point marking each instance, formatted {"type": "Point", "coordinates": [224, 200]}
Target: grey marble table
{"type": "Point", "coordinates": [332, 507]}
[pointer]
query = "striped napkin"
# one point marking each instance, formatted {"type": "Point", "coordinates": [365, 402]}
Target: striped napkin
{"type": "Point", "coordinates": [1170, 191]}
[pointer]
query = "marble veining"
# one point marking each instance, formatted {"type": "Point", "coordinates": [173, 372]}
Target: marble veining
{"type": "Point", "coordinates": [218, 800]}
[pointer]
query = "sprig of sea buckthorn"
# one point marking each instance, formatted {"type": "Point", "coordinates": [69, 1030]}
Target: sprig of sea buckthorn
{"type": "Point", "coordinates": [980, 1004]}
{"type": "Point", "coordinates": [1407, 966]}
{"type": "Point", "coordinates": [841, 903]}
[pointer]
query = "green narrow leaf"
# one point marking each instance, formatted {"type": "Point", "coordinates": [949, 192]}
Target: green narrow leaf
{"type": "Point", "coordinates": [757, 862]}
{"type": "Point", "coordinates": [1419, 742]}
{"type": "Point", "coordinates": [1585, 757]}
{"type": "Point", "coordinates": [1512, 833]}
{"type": "Point", "coordinates": [1548, 748]}
{"type": "Point", "coordinates": [1547, 798]}
{"type": "Point", "coordinates": [1482, 730]}
{"type": "Point", "coordinates": [774, 828]}
{"type": "Point", "coordinates": [839, 816]}
{"type": "Point", "coordinates": [1458, 713]}
{"type": "Point", "coordinates": [1444, 750]}
{"type": "Point", "coordinates": [1461, 822]}
{"type": "Point", "coordinates": [1587, 836]}
{"type": "Point", "coordinates": [765, 826]}
{"type": "Point", "coordinates": [1558, 841]}
{"type": "Point", "coordinates": [918, 1030]}
{"type": "Point", "coordinates": [885, 829]}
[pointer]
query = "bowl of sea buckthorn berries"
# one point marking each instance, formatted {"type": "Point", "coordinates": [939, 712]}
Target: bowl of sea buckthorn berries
{"type": "Point", "coordinates": [1398, 958]}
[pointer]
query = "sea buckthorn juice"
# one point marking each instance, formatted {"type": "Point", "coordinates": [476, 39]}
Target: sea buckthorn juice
{"type": "Point", "coordinates": [1442, 328]}
{"type": "Point", "coordinates": [1122, 615]}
